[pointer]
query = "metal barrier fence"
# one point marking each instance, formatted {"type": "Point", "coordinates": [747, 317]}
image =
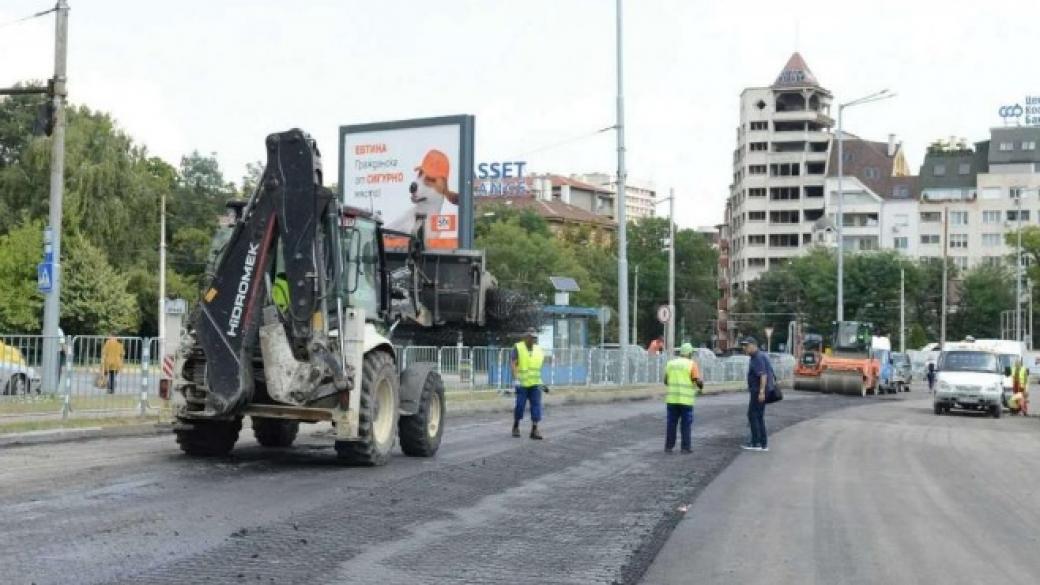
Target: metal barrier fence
{"type": "Point", "coordinates": [125, 377]}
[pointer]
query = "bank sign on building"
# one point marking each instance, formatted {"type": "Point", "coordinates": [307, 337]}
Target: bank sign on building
{"type": "Point", "coordinates": [1026, 113]}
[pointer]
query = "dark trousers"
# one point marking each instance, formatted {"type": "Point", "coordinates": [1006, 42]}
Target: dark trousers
{"type": "Point", "coordinates": [756, 415]}
{"type": "Point", "coordinates": [523, 394]}
{"type": "Point", "coordinates": [111, 381]}
{"type": "Point", "coordinates": [679, 413]}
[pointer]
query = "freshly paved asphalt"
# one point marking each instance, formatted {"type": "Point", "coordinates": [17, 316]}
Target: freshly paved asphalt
{"type": "Point", "coordinates": [885, 493]}
{"type": "Point", "coordinates": [591, 504]}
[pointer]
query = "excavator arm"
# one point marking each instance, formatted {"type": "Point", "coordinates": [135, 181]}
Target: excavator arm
{"type": "Point", "coordinates": [285, 214]}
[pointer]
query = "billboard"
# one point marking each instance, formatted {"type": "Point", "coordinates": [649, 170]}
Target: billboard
{"type": "Point", "coordinates": [416, 174]}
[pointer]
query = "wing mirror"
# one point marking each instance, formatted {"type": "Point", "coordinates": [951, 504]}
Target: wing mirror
{"type": "Point", "coordinates": [1007, 371]}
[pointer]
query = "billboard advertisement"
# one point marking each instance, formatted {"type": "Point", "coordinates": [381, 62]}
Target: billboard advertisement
{"type": "Point", "coordinates": [415, 174]}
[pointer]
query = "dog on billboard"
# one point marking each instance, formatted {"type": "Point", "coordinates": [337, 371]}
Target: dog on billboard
{"type": "Point", "coordinates": [428, 192]}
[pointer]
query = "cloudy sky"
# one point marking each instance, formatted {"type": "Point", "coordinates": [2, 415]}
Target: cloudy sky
{"type": "Point", "coordinates": [538, 74]}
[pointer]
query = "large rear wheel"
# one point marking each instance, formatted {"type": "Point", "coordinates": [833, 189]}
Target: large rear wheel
{"type": "Point", "coordinates": [421, 433]}
{"type": "Point", "coordinates": [377, 416]}
{"type": "Point", "coordinates": [208, 438]}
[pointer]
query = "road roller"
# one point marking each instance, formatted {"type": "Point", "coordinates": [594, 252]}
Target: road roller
{"type": "Point", "coordinates": [807, 372]}
{"type": "Point", "coordinates": [851, 367]}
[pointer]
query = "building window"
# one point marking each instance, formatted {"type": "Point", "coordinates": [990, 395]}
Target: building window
{"type": "Point", "coordinates": [757, 192]}
{"type": "Point", "coordinates": [757, 262]}
{"type": "Point", "coordinates": [757, 169]}
{"type": "Point", "coordinates": [994, 261]}
{"type": "Point", "coordinates": [931, 217]}
{"type": "Point", "coordinates": [1012, 215]}
{"type": "Point", "coordinates": [760, 126]}
{"type": "Point", "coordinates": [815, 168]}
{"type": "Point", "coordinates": [958, 218]}
{"type": "Point", "coordinates": [901, 243]}
{"type": "Point", "coordinates": [783, 240]}
{"type": "Point", "coordinates": [901, 219]}
{"type": "Point", "coordinates": [756, 240]}
{"type": "Point", "coordinates": [991, 240]}
{"type": "Point", "coordinates": [785, 216]}
{"type": "Point", "coordinates": [900, 191]}
{"type": "Point", "coordinates": [756, 216]}
{"type": "Point", "coordinates": [814, 190]}
{"type": "Point", "coordinates": [783, 193]}
{"type": "Point", "coordinates": [1029, 145]}
{"type": "Point", "coordinates": [871, 173]}
{"type": "Point", "coordinates": [930, 239]}
{"type": "Point", "coordinates": [939, 170]}
{"type": "Point", "coordinates": [785, 170]}
{"type": "Point", "coordinates": [961, 262]}
{"type": "Point", "coordinates": [964, 169]}
{"type": "Point", "coordinates": [1007, 146]}
{"type": "Point", "coordinates": [958, 241]}
{"type": "Point", "coordinates": [758, 146]}
{"type": "Point", "coordinates": [990, 217]}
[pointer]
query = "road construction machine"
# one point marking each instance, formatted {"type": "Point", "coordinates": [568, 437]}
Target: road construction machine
{"type": "Point", "coordinates": [810, 359]}
{"type": "Point", "coordinates": [321, 349]}
{"type": "Point", "coordinates": [851, 367]}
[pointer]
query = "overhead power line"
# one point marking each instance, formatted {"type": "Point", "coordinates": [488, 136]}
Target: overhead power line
{"type": "Point", "coordinates": [25, 18]}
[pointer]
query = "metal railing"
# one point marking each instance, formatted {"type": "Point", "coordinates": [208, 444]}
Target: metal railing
{"type": "Point", "coordinates": [128, 381]}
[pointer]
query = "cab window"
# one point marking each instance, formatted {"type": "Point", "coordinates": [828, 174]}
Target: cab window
{"type": "Point", "coordinates": [361, 265]}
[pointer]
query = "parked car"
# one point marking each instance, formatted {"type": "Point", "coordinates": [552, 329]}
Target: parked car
{"type": "Point", "coordinates": [903, 371]}
{"type": "Point", "coordinates": [970, 378]}
{"type": "Point", "coordinates": [16, 377]}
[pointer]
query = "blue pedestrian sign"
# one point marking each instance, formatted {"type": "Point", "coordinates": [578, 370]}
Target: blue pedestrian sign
{"type": "Point", "coordinates": [45, 277]}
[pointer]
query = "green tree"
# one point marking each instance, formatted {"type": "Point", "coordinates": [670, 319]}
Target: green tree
{"type": "Point", "coordinates": [94, 295]}
{"type": "Point", "coordinates": [20, 303]}
{"type": "Point", "coordinates": [984, 293]}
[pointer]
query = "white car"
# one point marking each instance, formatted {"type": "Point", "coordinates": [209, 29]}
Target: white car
{"type": "Point", "coordinates": [968, 378]}
{"type": "Point", "coordinates": [16, 377]}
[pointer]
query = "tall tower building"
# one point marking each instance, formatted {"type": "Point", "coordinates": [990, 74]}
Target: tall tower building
{"type": "Point", "coordinates": [779, 172]}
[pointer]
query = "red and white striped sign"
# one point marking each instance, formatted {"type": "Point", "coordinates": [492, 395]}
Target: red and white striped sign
{"type": "Point", "coordinates": [167, 366]}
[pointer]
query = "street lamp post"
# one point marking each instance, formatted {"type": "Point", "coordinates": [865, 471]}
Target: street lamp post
{"type": "Point", "coordinates": [874, 97]}
{"type": "Point", "coordinates": [669, 337]}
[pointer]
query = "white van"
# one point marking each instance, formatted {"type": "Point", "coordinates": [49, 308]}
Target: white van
{"type": "Point", "coordinates": [1008, 352]}
{"type": "Point", "coordinates": [968, 377]}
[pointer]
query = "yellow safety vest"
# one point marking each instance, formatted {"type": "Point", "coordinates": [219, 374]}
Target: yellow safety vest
{"type": "Point", "coordinates": [1022, 373]}
{"type": "Point", "coordinates": [529, 365]}
{"type": "Point", "coordinates": [680, 386]}
{"type": "Point", "coordinates": [280, 294]}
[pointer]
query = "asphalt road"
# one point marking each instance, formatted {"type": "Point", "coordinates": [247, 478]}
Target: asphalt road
{"type": "Point", "coordinates": [591, 504]}
{"type": "Point", "coordinates": [885, 493]}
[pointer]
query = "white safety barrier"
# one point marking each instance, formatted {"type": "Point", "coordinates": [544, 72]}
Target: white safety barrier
{"type": "Point", "coordinates": [127, 381]}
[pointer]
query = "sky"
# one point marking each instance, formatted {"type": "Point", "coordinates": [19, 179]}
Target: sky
{"type": "Point", "coordinates": [539, 75]}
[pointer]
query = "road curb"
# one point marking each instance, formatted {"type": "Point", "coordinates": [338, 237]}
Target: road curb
{"type": "Point", "coordinates": [457, 404]}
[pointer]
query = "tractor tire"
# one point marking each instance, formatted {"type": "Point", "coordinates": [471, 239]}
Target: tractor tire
{"type": "Point", "coordinates": [377, 418]}
{"type": "Point", "coordinates": [275, 432]}
{"type": "Point", "coordinates": [211, 438]}
{"type": "Point", "coordinates": [421, 432]}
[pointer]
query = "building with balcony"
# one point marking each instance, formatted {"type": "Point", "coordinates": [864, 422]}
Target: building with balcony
{"type": "Point", "coordinates": [640, 195]}
{"type": "Point", "coordinates": [780, 169]}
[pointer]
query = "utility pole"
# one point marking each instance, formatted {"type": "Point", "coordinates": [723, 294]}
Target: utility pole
{"type": "Point", "coordinates": [162, 277]}
{"type": "Point", "coordinates": [1018, 272]}
{"type": "Point", "coordinates": [52, 301]}
{"type": "Point", "coordinates": [635, 307]}
{"type": "Point", "coordinates": [945, 279]}
{"type": "Point", "coordinates": [902, 310]}
{"type": "Point", "coordinates": [670, 331]}
{"type": "Point", "coordinates": [621, 177]}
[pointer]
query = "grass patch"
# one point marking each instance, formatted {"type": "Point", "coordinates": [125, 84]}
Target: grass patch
{"type": "Point", "coordinates": [24, 426]}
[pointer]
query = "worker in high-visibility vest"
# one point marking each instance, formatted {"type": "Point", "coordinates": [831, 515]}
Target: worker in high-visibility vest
{"type": "Point", "coordinates": [683, 379]}
{"type": "Point", "coordinates": [280, 292]}
{"type": "Point", "coordinates": [1019, 401]}
{"type": "Point", "coordinates": [527, 382]}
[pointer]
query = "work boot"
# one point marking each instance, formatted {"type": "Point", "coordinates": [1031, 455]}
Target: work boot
{"type": "Point", "coordinates": [516, 430]}
{"type": "Point", "coordinates": [535, 434]}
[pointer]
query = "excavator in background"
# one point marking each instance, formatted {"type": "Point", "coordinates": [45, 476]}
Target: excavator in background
{"type": "Point", "coordinates": [852, 366]}
{"type": "Point", "coordinates": [810, 360]}
{"type": "Point", "coordinates": [323, 352]}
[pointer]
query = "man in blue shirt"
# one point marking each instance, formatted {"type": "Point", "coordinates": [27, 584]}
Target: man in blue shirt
{"type": "Point", "coordinates": [760, 376]}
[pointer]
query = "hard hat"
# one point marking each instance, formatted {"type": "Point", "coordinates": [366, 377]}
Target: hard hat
{"type": "Point", "coordinates": [686, 349]}
{"type": "Point", "coordinates": [434, 165]}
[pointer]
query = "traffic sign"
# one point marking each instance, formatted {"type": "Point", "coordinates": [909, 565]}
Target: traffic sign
{"type": "Point", "coordinates": [45, 277]}
{"type": "Point", "coordinates": [664, 313]}
{"type": "Point", "coordinates": [604, 315]}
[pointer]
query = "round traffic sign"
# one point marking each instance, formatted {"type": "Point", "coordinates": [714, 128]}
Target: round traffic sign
{"type": "Point", "coordinates": [664, 313]}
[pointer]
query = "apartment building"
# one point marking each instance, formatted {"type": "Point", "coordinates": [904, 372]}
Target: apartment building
{"type": "Point", "coordinates": [779, 172]}
{"type": "Point", "coordinates": [640, 195]}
